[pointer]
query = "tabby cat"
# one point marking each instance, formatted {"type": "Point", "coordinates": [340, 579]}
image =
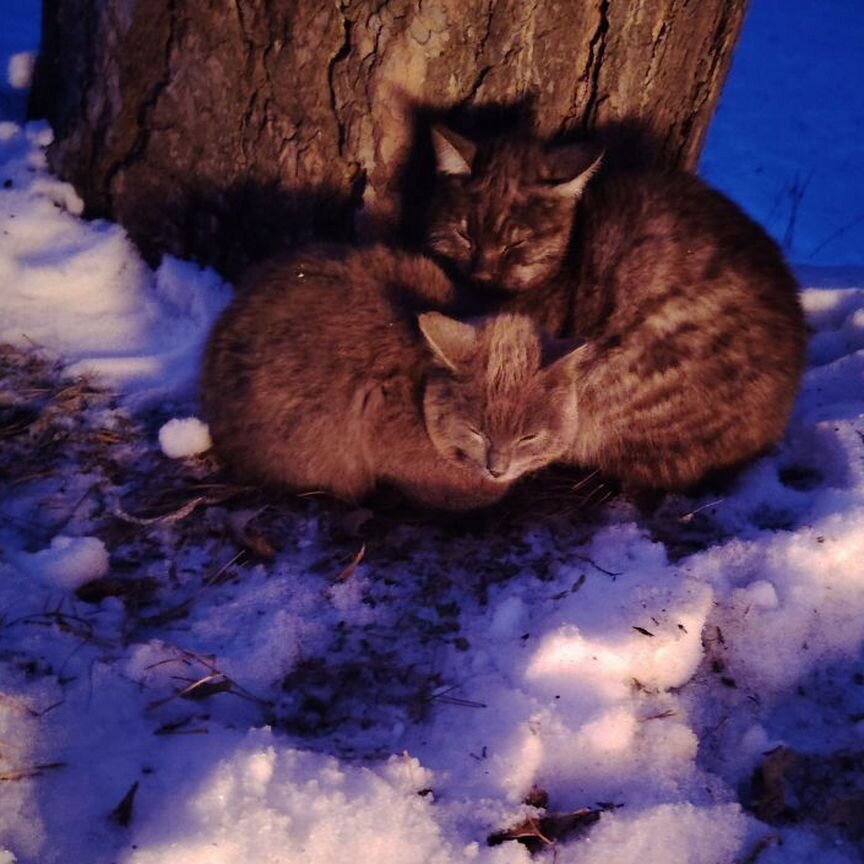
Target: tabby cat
{"type": "Point", "coordinates": [336, 370]}
{"type": "Point", "coordinates": [695, 334]}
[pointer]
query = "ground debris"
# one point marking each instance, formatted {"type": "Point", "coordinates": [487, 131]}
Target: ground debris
{"type": "Point", "coordinates": [122, 813]}
{"type": "Point", "coordinates": [789, 787]}
{"type": "Point", "coordinates": [184, 539]}
{"type": "Point", "coordinates": [29, 771]}
{"type": "Point", "coordinates": [539, 832]}
{"type": "Point", "coordinates": [140, 590]}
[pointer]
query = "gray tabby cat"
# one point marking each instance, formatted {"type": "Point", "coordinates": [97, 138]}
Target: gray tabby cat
{"type": "Point", "coordinates": [333, 371]}
{"type": "Point", "coordinates": [696, 338]}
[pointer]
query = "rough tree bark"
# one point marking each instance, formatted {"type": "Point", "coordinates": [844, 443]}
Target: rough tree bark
{"type": "Point", "coordinates": [216, 130]}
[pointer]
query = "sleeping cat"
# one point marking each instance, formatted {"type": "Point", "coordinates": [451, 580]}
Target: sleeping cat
{"type": "Point", "coordinates": [696, 338]}
{"type": "Point", "coordinates": [332, 370]}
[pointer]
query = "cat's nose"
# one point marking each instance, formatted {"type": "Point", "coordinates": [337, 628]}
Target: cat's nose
{"type": "Point", "coordinates": [483, 271]}
{"type": "Point", "coordinates": [497, 464]}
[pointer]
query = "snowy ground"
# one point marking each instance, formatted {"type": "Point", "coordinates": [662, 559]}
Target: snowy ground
{"type": "Point", "coordinates": [788, 139]}
{"type": "Point", "coordinates": [191, 673]}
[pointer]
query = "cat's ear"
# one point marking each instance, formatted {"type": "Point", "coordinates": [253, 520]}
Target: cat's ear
{"type": "Point", "coordinates": [454, 155]}
{"type": "Point", "coordinates": [452, 341]}
{"type": "Point", "coordinates": [570, 166]}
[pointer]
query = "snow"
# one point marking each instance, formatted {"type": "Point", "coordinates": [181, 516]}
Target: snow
{"type": "Point", "coordinates": [278, 680]}
{"type": "Point", "coordinates": [184, 436]}
{"type": "Point", "coordinates": [787, 141]}
{"type": "Point", "coordinates": [267, 800]}
{"type": "Point", "coordinates": [69, 562]}
{"type": "Point", "coordinates": [665, 834]}
{"type": "Point", "coordinates": [19, 36]}
{"type": "Point", "coordinates": [21, 69]}
{"type": "Point", "coordinates": [83, 291]}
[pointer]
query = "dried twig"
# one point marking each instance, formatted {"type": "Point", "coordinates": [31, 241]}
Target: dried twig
{"type": "Point", "coordinates": [348, 572]}
{"type": "Point", "coordinates": [455, 700]}
{"type": "Point", "coordinates": [30, 771]}
{"type": "Point", "coordinates": [761, 846]}
{"type": "Point", "coordinates": [208, 685]}
{"type": "Point", "coordinates": [180, 610]}
{"type": "Point", "coordinates": [202, 688]}
{"type": "Point", "coordinates": [178, 727]}
{"type": "Point", "coordinates": [596, 566]}
{"type": "Point", "coordinates": [165, 518]}
{"type": "Point", "coordinates": [688, 517]}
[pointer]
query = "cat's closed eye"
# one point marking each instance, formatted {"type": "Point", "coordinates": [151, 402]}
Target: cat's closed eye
{"type": "Point", "coordinates": [474, 432]}
{"type": "Point", "coordinates": [530, 438]}
{"type": "Point", "coordinates": [462, 235]}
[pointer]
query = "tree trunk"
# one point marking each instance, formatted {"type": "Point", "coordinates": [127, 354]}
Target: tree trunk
{"type": "Point", "coordinates": [223, 130]}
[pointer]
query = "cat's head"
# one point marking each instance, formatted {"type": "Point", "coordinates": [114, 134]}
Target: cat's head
{"type": "Point", "coordinates": [502, 211]}
{"type": "Point", "coordinates": [500, 398]}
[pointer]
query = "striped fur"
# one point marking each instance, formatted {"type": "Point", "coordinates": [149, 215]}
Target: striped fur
{"type": "Point", "coordinates": [696, 338]}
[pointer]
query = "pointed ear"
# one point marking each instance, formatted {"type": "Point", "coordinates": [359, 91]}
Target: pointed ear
{"type": "Point", "coordinates": [453, 342]}
{"type": "Point", "coordinates": [562, 356]}
{"type": "Point", "coordinates": [454, 154]}
{"type": "Point", "coordinates": [570, 167]}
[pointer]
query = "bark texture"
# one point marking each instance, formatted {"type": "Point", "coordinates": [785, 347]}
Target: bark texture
{"type": "Point", "coordinates": [218, 130]}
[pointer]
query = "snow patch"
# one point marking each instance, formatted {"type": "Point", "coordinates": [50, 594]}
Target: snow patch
{"type": "Point", "coordinates": [20, 71]}
{"type": "Point", "coordinates": [69, 562]}
{"type": "Point", "coordinates": [183, 437]}
{"type": "Point", "coordinates": [83, 291]}
{"type": "Point", "coordinates": [671, 832]}
{"type": "Point", "coordinates": [21, 826]}
{"type": "Point", "coordinates": [274, 805]}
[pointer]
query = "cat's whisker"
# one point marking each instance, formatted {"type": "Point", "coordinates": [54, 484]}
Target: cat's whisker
{"type": "Point", "coordinates": [575, 487]}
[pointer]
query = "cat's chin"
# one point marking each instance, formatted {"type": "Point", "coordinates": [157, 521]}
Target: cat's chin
{"type": "Point", "coordinates": [477, 471]}
{"type": "Point", "coordinates": [506, 291]}
{"type": "Point", "coordinates": [526, 280]}
{"type": "Point", "coordinates": [481, 473]}
{"type": "Point", "coordinates": [508, 477]}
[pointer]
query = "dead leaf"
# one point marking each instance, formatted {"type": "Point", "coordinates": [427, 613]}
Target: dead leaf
{"type": "Point", "coordinates": [122, 813]}
{"type": "Point", "coordinates": [538, 832]}
{"type": "Point", "coordinates": [789, 787]}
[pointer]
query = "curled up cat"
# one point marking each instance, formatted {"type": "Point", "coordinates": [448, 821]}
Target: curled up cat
{"type": "Point", "coordinates": [695, 334]}
{"type": "Point", "coordinates": [337, 370]}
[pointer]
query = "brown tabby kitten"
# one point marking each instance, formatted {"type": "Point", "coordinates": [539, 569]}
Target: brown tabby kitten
{"type": "Point", "coordinates": [696, 338]}
{"type": "Point", "coordinates": [321, 376]}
